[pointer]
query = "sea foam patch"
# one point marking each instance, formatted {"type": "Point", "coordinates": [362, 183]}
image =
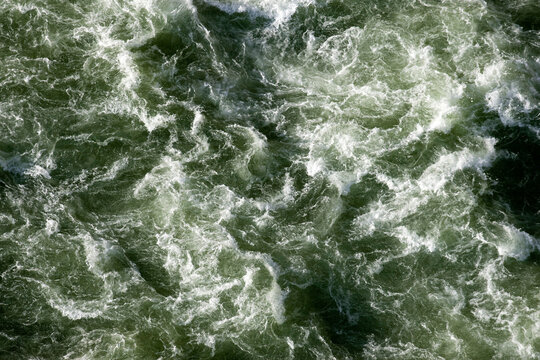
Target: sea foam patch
{"type": "Point", "coordinates": [279, 11]}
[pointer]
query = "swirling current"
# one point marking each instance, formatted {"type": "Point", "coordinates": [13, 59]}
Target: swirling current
{"type": "Point", "coordinates": [242, 179]}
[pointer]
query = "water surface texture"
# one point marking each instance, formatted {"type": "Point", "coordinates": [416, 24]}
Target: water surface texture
{"type": "Point", "coordinates": [285, 179]}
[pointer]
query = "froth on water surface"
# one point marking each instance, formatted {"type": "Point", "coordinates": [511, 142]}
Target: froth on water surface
{"type": "Point", "coordinates": [269, 179]}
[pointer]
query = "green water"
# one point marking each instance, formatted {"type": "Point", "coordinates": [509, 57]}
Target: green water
{"type": "Point", "coordinates": [269, 179]}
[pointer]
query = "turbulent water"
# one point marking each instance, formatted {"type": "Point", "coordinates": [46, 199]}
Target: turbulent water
{"type": "Point", "coordinates": [242, 179]}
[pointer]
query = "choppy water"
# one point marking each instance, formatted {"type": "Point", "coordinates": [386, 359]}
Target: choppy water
{"type": "Point", "coordinates": [269, 179]}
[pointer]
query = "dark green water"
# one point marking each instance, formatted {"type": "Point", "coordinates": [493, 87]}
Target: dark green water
{"type": "Point", "coordinates": [269, 180]}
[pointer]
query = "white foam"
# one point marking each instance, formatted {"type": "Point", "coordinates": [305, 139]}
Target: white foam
{"type": "Point", "coordinates": [516, 243]}
{"type": "Point", "coordinates": [445, 108]}
{"type": "Point", "coordinates": [278, 10]}
{"type": "Point", "coordinates": [508, 94]}
{"type": "Point", "coordinates": [439, 173]}
{"type": "Point", "coordinates": [37, 171]}
{"type": "Point", "coordinates": [412, 240]}
{"type": "Point", "coordinates": [344, 180]}
{"type": "Point", "coordinates": [197, 122]}
{"type": "Point", "coordinates": [492, 74]}
{"type": "Point", "coordinates": [275, 296]}
{"type": "Point", "coordinates": [165, 176]}
{"type": "Point", "coordinates": [153, 122]}
{"type": "Point", "coordinates": [74, 310]}
{"type": "Point", "coordinates": [128, 69]}
{"type": "Point", "coordinates": [51, 226]}
{"type": "Point", "coordinates": [314, 166]}
{"type": "Point", "coordinates": [108, 175]}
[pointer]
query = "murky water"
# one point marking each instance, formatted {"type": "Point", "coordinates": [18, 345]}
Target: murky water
{"type": "Point", "coordinates": [269, 180]}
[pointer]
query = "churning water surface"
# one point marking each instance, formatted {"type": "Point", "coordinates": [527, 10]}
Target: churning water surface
{"type": "Point", "coordinates": [241, 179]}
